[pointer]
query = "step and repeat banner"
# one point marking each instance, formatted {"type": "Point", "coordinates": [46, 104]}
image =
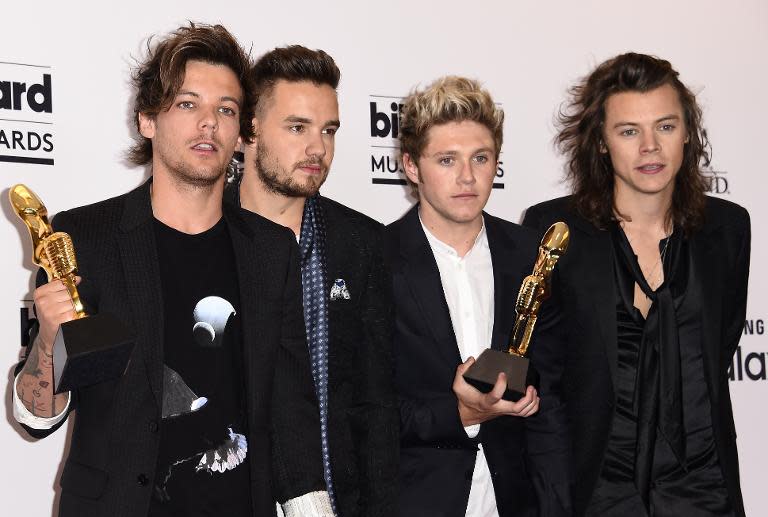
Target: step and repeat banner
{"type": "Point", "coordinates": [66, 121]}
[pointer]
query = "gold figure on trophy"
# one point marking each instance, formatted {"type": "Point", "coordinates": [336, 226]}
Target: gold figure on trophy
{"type": "Point", "coordinates": [86, 350]}
{"type": "Point", "coordinates": [53, 251]}
{"type": "Point", "coordinates": [537, 286]}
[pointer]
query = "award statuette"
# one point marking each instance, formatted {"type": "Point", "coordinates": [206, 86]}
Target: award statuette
{"type": "Point", "coordinates": [88, 349]}
{"type": "Point", "coordinates": [535, 289]}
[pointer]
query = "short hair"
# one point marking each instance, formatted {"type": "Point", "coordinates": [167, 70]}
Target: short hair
{"type": "Point", "coordinates": [580, 138]}
{"type": "Point", "coordinates": [157, 80]}
{"type": "Point", "coordinates": [447, 99]}
{"type": "Point", "coordinates": [294, 63]}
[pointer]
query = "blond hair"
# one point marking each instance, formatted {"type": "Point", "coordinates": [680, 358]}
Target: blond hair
{"type": "Point", "coordinates": [447, 99]}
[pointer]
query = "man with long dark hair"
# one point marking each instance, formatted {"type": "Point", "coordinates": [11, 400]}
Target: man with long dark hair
{"type": "Point", "coordinates": [219, 380]}
{"type": "Point", "coordinates": [655, 286]}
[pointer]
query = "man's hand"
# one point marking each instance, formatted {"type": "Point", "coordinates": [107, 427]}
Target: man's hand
{"type": "Point", "coordinates": [34, 386]}
{"type": "Point", "coordinates": [53, 306]}
{"type": "Point", "coordinates": [476, 407]}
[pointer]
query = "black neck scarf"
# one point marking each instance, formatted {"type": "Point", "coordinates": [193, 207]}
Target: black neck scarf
{"type": "Point", "coordinates": [658, 399]}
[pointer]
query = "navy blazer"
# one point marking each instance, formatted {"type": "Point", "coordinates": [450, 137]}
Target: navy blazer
{"type": "Point", "coordinates": [720, 251]}
{"type": "Point", "coordinates": [526, 457]}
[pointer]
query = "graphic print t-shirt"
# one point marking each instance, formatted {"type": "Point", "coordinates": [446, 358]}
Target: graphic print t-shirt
{"type": "Point", "coordinates": [202, 465]}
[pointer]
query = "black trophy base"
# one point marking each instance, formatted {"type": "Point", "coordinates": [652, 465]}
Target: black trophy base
{"type": "Point", "coordinates": [519, 371]}
{"type": "Point", "coordinates": [90, 350]}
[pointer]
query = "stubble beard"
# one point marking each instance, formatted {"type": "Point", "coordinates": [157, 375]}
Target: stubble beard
{"type": "Point", "coordinates": [277, 180]}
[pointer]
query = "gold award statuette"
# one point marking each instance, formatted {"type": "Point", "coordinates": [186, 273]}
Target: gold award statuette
{"type": "Point", "coordinates": [87, 349]}
{"type": "Point", "coordinates": [536, 288]}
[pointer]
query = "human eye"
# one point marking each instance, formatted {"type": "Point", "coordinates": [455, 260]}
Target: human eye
{"type": "Point", "coordinates": [185, 105]}
{"type": "Point", "coordinates": [629, 132]}
{"type": "Point", "coordinates": [296, 128]}
{"type": "Point", "coordinates": [667, 127]}
{"type": "Point", "coordinates": [482, 159]}
{"type": "Point", "coordinates": [226, 110]}
{"type": "Point", "coordinates": [445, 160]}
{"type": "Point", "coordinates": [330, 131]}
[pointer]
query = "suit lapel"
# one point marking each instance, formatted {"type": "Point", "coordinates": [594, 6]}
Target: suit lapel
{"type": "Point", "coordinates": [708, 270]}
{"type": "Point", "coordinates": [138, 253]}
{"type": "Point", "coordinates": [595, 288]}
{"type": "Point", "coordinates": [422, 277]}
{"type": "Point", "coordinates": [507, 274]}
{"type": "Point", "coordinates": [251, 283]}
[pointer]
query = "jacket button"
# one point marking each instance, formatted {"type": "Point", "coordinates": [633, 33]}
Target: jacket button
{"type": "Point", "coordinates": [153, 426]}
{"type": "Point", "coordinates": [142, 480]}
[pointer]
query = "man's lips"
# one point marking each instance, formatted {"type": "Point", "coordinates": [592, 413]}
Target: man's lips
{"type": "Point", "coordinates": [205, 146]}
{"type": "Point", "coordinates": [465, 195]}
{"type": "Point", "coordinates": [650, 168]}
{"type": "Point", "coordinates": [311, 168]}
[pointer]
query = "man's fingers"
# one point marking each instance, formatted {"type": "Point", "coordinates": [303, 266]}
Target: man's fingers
{"type": "Point", "coordinates": [463, 367]}
{"type": "Point", "coordinates": [498, 390]}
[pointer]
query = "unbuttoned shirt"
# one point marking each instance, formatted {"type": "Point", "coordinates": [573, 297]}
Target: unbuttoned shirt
{"type": "Point", "coordinates": [468, 288]}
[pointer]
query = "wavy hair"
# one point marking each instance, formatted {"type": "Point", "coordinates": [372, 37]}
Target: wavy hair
{"type": "Point", "coordinates": [580, 137]}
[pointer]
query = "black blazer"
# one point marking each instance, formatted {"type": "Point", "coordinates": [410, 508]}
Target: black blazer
{"type": "Point", "coordinates": [721, 253]}
{"type": "Point", "coordinates": [362, 413]}
{"type": "Point", "coordinates": [437, 458]}
{"type": "Point", "coordinates": [363, 417]}
{"type": "Point", "coordinates": [110, 468]}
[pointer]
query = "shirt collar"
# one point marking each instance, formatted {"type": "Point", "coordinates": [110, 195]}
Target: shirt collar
{"type": "Point", "coordinates": [439, 246]}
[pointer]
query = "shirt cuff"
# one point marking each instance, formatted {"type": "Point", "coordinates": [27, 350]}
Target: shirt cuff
{"type": "Point", "coordinates": [472, 430]}
{"type": "Point", "coordinates": [24, 416]}
{"type": "Point", "coordinates": [312, 504]}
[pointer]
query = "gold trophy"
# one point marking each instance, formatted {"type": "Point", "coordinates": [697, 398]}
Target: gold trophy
{"type": "Point", "coordinates": [88, 349]}
{"type": "Point", "coordinates": [536, 288]}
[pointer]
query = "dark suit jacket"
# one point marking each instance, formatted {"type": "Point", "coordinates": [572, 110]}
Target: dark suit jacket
{"type": "Point", "coordinates": [437, 458]}
{"type": "Point", "coordinates": [363, 417]}
{"type": "Point", "coordinates": [111, 464]}
{"type": "Point", "coordinates": [362, 413]}
{"type": "Point", "coordinates": [721, 254]}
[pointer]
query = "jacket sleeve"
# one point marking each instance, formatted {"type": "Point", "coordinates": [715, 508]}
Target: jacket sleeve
{"type": "Point", "coordinates": [297, 460]}
{"type": "Point", "coordinates": [376, 419]}
{"type": "Point", "coordinates": [736, 288]}
{"type": "Point", "coordinates": [41, 428]}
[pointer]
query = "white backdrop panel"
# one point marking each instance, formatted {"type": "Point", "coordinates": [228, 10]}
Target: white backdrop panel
{"type": "Point", "coordinates": [527, 53]}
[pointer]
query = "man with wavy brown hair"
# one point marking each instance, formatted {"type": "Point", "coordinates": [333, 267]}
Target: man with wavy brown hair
{"type": "Point", "coordinates": [218, 389]}
{"type": "Point", "coordinates": [656, 282]}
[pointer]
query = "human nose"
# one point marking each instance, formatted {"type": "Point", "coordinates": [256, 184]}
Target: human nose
{"type": "Point", "coordinates": [466, 173]}
{"type": "Point", "coordinates": [208, 120]}
{"type": "Point", "coordinates": [649, 143]}
{"type": "Point", "coordinates": [316, 145]}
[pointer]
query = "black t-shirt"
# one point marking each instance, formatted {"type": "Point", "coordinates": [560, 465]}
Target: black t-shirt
{"type": "Point", "coordinates": [202, 465]}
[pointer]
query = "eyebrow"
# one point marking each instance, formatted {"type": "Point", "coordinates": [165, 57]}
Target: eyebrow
{"type": "Point", "coordinates": [305, 120]}
{"type": "Point", "coordinates": [453, 152]}
{"type": "Point", "coordinates": [223, 98]}
{"type": "Point", "coordinates": [661, 119]}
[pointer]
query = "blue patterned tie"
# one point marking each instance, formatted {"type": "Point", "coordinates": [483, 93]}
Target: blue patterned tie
{"type": "Point", "coordinates": [313, 275]}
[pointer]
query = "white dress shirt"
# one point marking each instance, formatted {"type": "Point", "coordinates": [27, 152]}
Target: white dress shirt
{"type": "Point", "coordinates": [468, 288]}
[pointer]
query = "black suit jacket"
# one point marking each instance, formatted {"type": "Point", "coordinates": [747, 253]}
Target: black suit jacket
{"type": "Point", "coordinates": [437, 458]}
{"type": "Point", "coordinates": [362, 413]}
{"type": "Point", "coordinates": [363, 417]}
{"type": "Point", "coordinates": [721, 253]}
{"type": "Point", "coordinates": [111, 465]}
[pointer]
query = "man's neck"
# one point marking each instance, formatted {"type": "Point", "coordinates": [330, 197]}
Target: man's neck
{"type": "Point", "coordinates": [459, 236]}
{"type": "Point", "coordinates": [280, 209]}
{"type": "Point", "coordinates": [648, 213]}
{"type": "Point", "coordinates": [187, 208]}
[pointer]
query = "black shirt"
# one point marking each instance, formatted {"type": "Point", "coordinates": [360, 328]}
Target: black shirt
{"type": "Point", "coordinates": [202, 463]}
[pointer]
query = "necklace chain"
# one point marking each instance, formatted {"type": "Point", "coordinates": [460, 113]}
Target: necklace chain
{"type": "Point", "coordinates": [652, 277]}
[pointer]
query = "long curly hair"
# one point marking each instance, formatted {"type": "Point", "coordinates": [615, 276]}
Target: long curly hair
{"type": "Point", "coordinates": [580, 138]}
